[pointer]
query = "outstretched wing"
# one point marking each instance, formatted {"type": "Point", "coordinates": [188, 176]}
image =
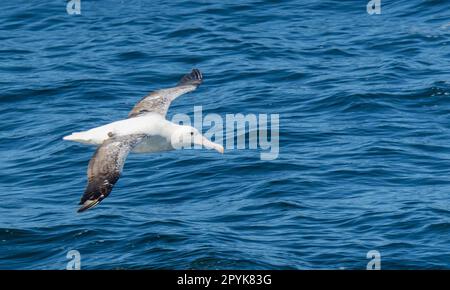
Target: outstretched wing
{"type": "Point", "coordinates": [159, 101]}
{"type": "Point", "coordinates": [105, 167]}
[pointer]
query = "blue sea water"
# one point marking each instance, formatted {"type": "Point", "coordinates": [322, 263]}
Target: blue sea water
{"type": "Point", "coordinates": [364, 162]}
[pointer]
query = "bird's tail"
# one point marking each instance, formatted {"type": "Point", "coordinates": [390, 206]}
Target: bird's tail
{"type": "Point", "coordinates": [77, 137]}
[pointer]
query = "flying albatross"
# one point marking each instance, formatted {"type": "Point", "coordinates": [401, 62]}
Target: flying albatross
{"type": "Point", "coordinates": [145, 130]}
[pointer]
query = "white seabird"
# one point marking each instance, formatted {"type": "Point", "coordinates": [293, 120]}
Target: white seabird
{"type": "Point", "coordinates": [145, 130]}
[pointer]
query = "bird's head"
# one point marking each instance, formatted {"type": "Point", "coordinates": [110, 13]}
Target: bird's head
{"type": "Point", "coordinates": [187, 136]}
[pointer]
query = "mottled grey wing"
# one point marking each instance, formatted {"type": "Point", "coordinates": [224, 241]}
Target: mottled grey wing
{"type": "Point", "coordinates": [159, 101]}
{"type": "Point", "coordinates": [105, 167]}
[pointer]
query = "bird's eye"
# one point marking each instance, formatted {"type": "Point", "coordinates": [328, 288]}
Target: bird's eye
{"type": "Point", "coordinates": [192, 133]}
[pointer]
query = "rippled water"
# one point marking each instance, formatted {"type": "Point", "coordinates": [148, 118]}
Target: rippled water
{"type": "Point", "coordinates": [364, 163]}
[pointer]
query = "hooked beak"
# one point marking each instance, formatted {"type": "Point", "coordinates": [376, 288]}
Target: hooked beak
{"type": "Point", "coordinates": [211, 145]}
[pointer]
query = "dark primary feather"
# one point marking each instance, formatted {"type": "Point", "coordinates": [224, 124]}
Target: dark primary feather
{"type": "Point", "coordinates": [159, 101]}
{"type": "Point", "coordinates": [194, 78]}
{"type": "Point", "coordinates": [105, 167]}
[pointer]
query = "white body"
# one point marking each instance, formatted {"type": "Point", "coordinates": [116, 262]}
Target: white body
{"type": "Point", "coordinates": [151, 124]}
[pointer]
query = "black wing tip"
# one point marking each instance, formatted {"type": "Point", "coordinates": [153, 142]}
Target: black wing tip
{"type": "Point", "coordinates": [88, 204]}
{"type": "Point", "coordinates": [195, 78]}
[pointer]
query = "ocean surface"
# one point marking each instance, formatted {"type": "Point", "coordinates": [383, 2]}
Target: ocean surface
{"type": "Point", "coordinates": [364, 108]}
